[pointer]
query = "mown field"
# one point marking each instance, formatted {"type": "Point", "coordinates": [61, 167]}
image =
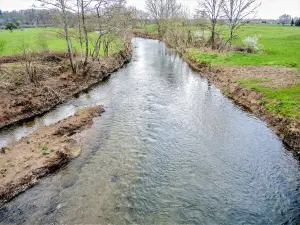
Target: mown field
{"type": "Point", "coordinates": [52, 36]}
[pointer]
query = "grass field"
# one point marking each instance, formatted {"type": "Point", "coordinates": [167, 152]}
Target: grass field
{"type": "Point", "coordinates": [54, 41]}
{"type": "Point", "coordinates": [280, 47]}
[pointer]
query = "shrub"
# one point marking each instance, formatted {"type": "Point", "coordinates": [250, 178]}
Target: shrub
{"type": "Point", "coordinates": [28, 57]}
{"type": "Point", "coordinates": [251, 43]}
{"type": "Point", "coordinates": [11, 26]}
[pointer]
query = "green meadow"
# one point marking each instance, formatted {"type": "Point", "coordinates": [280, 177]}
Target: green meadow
{"type": "Point", "coordinates": [280, 46]}
{"type": "Point", "coordinates": [52, 36]}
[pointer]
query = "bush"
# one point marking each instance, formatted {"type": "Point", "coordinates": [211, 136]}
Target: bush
{"type": "Point", "coordinates": [11, 26]}
{"type": "Point", "coordinates": [28, 57]}
{"type": "Point", "coordinates": [251, 43]}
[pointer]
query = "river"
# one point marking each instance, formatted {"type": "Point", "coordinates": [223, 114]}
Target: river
{"type": "Point", "coordinates": [170, 149]}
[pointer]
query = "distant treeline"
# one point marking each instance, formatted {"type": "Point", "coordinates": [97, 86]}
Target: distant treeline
{"type": "Point", "coordinates": [30, 17]}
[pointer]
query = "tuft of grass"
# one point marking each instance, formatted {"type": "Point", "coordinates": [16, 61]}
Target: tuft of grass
{"type": "Point", "coordinates": [44, 148]}
{"type": "Point", "coordinates": [283, 101]}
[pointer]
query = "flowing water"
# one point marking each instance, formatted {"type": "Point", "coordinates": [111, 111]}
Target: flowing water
{"type": "Point", "coordinates": [170, 149]}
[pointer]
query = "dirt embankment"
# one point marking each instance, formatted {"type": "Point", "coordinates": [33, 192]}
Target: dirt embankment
{"type": "Point", "coordinates": [42, 152]}
{"type": "Point", "coordinates": [146, 35]}
{"type": "Point", "coordinates": [226, 77]}
{"type": "Point", "coordinates": [21, 99]}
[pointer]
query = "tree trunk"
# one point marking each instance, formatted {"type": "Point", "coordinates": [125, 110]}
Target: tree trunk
{"type": "Point", "coordinates": [98, 43]}
{"type": "Point", "coordinates": [85, 34]}
{"type": "Point", "coordinates": [231, 36]}
{"type": "Point", "coordinates": [213, 36]}
{"type": "Point", "coordinates": [79, 27]}
{"type": "Point", "coordinates": [65, 21]}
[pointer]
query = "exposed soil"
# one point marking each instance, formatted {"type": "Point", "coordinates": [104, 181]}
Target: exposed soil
{"type": "Point", "coordinates": [42, 152]}
{"type": "Point", "coordinates": [21, 99]}
{"type": "Point", "coordinates": [276, 76]}
{"type": "Point", "coordinates": [146, 35]}
{"type": "Point", "coordinates": [226, 77]}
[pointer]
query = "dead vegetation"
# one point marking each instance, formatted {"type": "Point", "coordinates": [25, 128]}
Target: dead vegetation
{"type": "Point", "coordinates": [20, 98]}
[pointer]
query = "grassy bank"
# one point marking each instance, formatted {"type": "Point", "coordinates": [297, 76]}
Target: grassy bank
{"type": "Point", "coordinates": [52, 36]}
{"type": "Point", "coordinates": [280, 47]}
{"type": "Point", "coordinates": [284, 101]}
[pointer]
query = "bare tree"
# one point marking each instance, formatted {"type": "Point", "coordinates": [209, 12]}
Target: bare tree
{"type": "Point", "coordinates": [177, 36]}
{"type": "Point", "coordinates": [28, 59]}
{"type": "Point", "coordinates": [119, 24]}
{"type": "Point", "coordinates": [212, 9]}
{"type": "Point", "coordinates": [79, 26]}
{"type": "Point", "coordinates": [105, 12]}
{"type": "Point", "coordinates": [285, 19]}
{"type": "Point", "coordinates": [162, 11]}
{"type": "Point", "coordinates": [236, 12]}
{"type": "Point", "coordinates": [142, 18]}
{"type": "Point", "coordinates": [63, 6]}
{"type": "Point", "coordinates": [83, 6]}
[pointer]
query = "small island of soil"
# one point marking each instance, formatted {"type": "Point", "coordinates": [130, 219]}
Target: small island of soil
{"type": "Point", "coordinates": [41, 153]}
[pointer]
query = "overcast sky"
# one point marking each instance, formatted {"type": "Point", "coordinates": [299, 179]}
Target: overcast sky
{"type": "Point", "coordinates": [270, 9]}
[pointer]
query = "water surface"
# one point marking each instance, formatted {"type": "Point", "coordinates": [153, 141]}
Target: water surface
{"type": "Point", "coordinates": [170, 149]}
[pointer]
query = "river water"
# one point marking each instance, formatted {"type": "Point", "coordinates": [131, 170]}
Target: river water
{"type": "Point", "coordinates": [170, 149]}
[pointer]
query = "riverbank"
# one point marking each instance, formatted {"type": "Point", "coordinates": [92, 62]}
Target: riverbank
{"type": "Point", "coordinates": [234, 82]}
{"type": "Point", "coordinates": [21, 99]}
{"type": "Point", "coordinates": [42, 152]}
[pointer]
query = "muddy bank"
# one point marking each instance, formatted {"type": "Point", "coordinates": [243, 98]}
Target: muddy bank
{"type": "Point", "coordinates": [21, 99]}
{"type": "Point", "coordinates": [42, 152]}
{"type": "Point", "coordinates": [226, 77]}
{"type": "Point", "coordinates": [146, 35]}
